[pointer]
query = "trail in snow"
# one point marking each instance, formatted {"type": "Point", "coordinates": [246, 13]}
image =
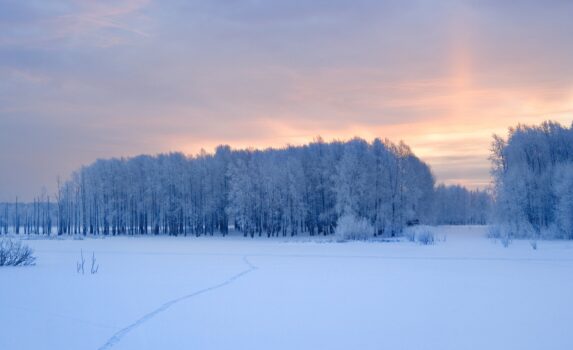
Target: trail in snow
{"type": "Point", "coordinates": [116, 338]}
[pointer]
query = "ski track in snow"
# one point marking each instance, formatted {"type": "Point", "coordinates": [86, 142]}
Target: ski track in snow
{"type": "Point", "coordinates": [116, 338]}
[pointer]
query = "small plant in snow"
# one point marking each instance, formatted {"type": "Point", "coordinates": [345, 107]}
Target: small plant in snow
{"type": "Point", "coordinates": [15, 254]}
{"type": "Point", "coordinates": [94, 267]}
{"type": "Point", "coordinates": [425, 237]}
{"type": "Point", "coordinates": [501, 233]}
{"type": "Point", "coordinates": [80, 265]}
{"type": "Point", "coordinates": [421, 234]}
{"type": "Point", "coordinates": [351, 228]}
{"type": "Point", "coordinates": [505, 240]}
{"type": "Point", "coordinates": [533, 244]}
{"type": "Point", "coordinates": [410, 235]}
{"type": "Point", "coordinates": [494, 232]}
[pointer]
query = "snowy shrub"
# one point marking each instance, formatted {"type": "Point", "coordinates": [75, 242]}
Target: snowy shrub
{"type": "Point", "coordinates": [80, 265]}
{"type": "Point", "coordinates": [421, 234]}
{"type": "Point", "coordinates": [533, 244]}
{"type": "Point", "coordinates": [505, 240]}
{"type": "Point", "coordinates": [494, 232]}
{"type": "Point", "coordinates": [15, 254]}
{"type": "Point", "coordinates": [350, 228]}
{"type": "Point", "coordinates": [505, 233]}
{"type": "Point", "coordinates": [410, 234]}
{"type": "Point", "coordinates": [425, 237]}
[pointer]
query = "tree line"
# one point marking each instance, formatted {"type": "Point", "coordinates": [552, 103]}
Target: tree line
{"type": "Point", "coordinates": [456, 205]}
{"type": "Point", "coordinates": [308, 189]}
{"type": "Point", "coordinates": [37, 217]}
{"type": "Point", "coordinates": [273, 192]}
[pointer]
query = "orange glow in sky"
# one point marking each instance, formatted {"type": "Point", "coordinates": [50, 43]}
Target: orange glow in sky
{"type": "Point", "coordinates": [87, 80]}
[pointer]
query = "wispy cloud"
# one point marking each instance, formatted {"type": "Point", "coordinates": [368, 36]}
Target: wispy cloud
{"type": "Point", "coordinates": [78, 22]}
{"type": "Point", "coordinates": [87, 79]}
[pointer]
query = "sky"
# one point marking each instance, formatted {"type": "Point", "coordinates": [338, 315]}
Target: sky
{"type": "Point", "coordinates": [81, 80]}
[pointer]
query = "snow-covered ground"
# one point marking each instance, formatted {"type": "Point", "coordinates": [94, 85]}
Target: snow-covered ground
{"type": "Point", "coordinates": [467, 292]}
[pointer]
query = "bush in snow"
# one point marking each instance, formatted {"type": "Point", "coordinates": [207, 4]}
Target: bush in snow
{"type": "Point", "coordinates": [349, 227]}
{"type": "Point", "coordinates": [506, 233]}
{"type": "Point", "coordinates": [410, 234]}
{"type": "Point", "coordinates": [421, 234]}
{"type": "Point", "coordinates": [494, 232]}
{"type": "Point", "coordinates": [15, 254]}
{"type": "Point", "coordinates": [503, 233]}
{"type": "Point", "coordinates": [425, 237]}
{"type": "Point", "coordinates": [505, 241]}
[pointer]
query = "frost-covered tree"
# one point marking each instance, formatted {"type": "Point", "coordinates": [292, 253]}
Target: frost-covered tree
{"type": "Point", "coordinates": [531, 176]}
{"type": "Point", "coordinates": [36, 217]}
{"type": "Point", "coordinates": [564, 193]}
{"type": "Point", "coordinates": [271, 192]}
{"type": "Point", "coordinates": [384, 184]}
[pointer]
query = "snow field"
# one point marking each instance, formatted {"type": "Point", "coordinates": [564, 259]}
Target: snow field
{"type": "Point", "coordinates": [464, 292]}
